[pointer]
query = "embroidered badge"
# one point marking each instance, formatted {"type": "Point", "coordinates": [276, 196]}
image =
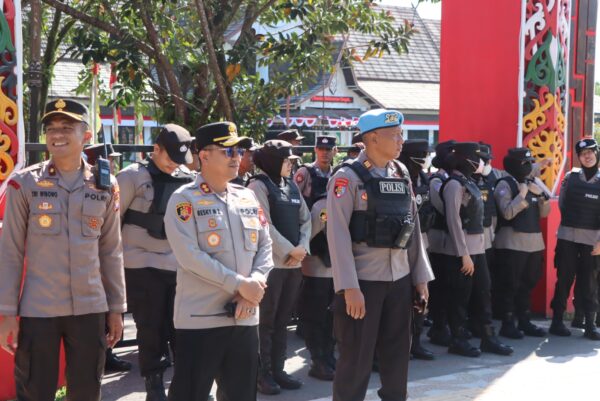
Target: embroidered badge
{"type": "Point", "coordinates": [205, 202]}
{"type": "Point", "coordinates": [391, 118]}
{"type": "Point", "coordinates": [419, 199]}
{"type": "Point", "coordinates": [339, 188]}
{"type": "Point", "coordinates": [323, 215]}
{"type": "Point", "coordinates": [205, 188]}
{"type": "Point", "coordinates": [45, 184]}
{"type": "Point", "coordinates": [212, 223]}
{"type": "Point", "coordinates": [93, 223]}
{"type": "Point", "coordinates": [213, 239]}
{"type": "Point", "coordinates": [45, 206]}
{"type": "Point", "coordinates": [253, 237]}
{"type": "Point", "coordinates": [364, 196]}
{"type": "Point", "coordinates": [184, 211]}
{"type": "Point", "coordinates": [45, 221]}
{"type": "Point", "coordinates": [367, 164]}
{"type": "Point", "coordinates": [261, 217]}
{"type": "Point", "coordinates": [60, 104]}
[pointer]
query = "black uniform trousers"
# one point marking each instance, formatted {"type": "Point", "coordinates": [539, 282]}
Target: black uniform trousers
{"type": "Point", "coordinates": [575, 260]}
{"type": "Point", "coordinates": [384, 330]}
{"type": "Point", "coordinates": [227, 355]}
{"type": "Point", "coordinates": [316, 296]}
{"type": "Point", "coordinates": [151, 298]}
{"type": "Point", "coordinates": [276, 307]}
{"type": "Point", "coordinates": [38, 353]}
{"type": "Point", "coordinates": [518, 274]}
{"type": "Point", "coordinates": [461, 287]}
{"type": "Point", "coordinates": [438, 291]}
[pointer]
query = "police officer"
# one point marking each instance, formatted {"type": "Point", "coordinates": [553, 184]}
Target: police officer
{"type": "Point", "coordinates": [377, 256]}
{"type": "Point", "coordinates": [290, 226]}
{"type": "Point", "coordinates": [219, 235]}
{"type": "Point", "coordinates": [467, 271]}
{"type": "Point", "coordinates": [150, 265]}
{"type": "Point", "coordinates": [437, 237]}
{"type": "Point", "coordinates": [519, 244]}
{"type": "Point", "coordinates": [415, 156]}
{"type": "Point", "coordinates": [316, 292]}
{"type": "Point", "coordinates": [578, 244]}
{"type": "Point", "coordinates": [63, 216]}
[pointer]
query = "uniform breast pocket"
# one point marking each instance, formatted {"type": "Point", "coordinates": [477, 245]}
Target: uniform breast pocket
{"type": "Point", "coordinates": [213, 233]}
{"type": "Point", "coordinates": [251, 225]}
{"type": "Point", "coordinates": [45, 217]}
{"type": "Point", "coordinates": [92, 217]}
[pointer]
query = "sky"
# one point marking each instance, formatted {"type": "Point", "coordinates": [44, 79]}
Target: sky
{"type": "Point", "coordinates": [434, 11]}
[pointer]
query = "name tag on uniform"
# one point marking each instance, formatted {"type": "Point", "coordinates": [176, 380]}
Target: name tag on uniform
{"type": "Point", "coordinates": [209, 212]}
{"type": "Point", "coordinates": [391, 187]}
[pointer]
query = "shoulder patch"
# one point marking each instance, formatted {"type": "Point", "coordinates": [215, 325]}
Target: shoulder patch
{"type": "Point", "coordinates": [184, 211]}
{"type": "Point", "coordinates": [340, 186]}
{"type": "Point", "coordinates": [116, 196]}
{"type": "Point", "coordinates": [299, 178]}
{"type": "Point", "coordinates": [14, 184]}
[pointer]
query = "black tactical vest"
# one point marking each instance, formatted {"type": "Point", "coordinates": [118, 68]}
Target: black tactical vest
{"type": "Point", "coordinates": [318, 185]}
{"type": "Point", "coordinates": [388, 209]}
{"type": "Point", "coordinates": [528, 220]}
{"type": "Point", "coordinates": [164, 185]}
{"type": "Point", "coordinates": [439, 221]}
{"type": "Point", "coordinates": [471, 215]}
{"type": "Point", "coordinates": [284, 205]}
{"type": "Point", "coordinates": [581, 205]}
{"type": "Point", "coordinates": [487, 185]}
{"type": "Point", "coordinates": [427, 212]}
{"type": "Point", "coordinates": [319, 245]}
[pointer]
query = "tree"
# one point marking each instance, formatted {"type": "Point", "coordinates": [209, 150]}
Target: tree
{"type": "Point", "coordinates": [182, 56]}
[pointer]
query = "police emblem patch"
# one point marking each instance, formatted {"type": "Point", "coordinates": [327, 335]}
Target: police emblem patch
{"type": "Point", "coordinates": [323, 215]}
{"type": "Point", "coordinates": [45, 221]}
{"type": "Point", "coordinates": [184, 211]}
{"type": "Point", "coordinates": [93, 223]}
{"type": "Point", "coordinates": [212, 223]}
{"type": "Point", "coordinates": [364, 196]}
{"type": "Point", "coordinates": [419, 199]}
{"type": "Point", "coordinates": [213, 239]}
{"type": "Point", "coordinates": [261, 217]}
{"type": "Point", "coordinates": [339, 188]}
{"type": "Point", "coordinates": [253, 237]}
{"type": "Point", "coordinates": [299, 178]}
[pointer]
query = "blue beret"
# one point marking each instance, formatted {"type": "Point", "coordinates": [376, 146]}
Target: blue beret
{"type": "Point", "coordinates": [379, 118]}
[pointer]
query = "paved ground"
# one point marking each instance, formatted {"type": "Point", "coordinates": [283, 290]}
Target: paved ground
{"type": "Point", "coordinates": [546, 369]}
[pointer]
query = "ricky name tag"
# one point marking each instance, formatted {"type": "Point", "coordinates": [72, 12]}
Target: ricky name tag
{"type": "Point", "coordinates": [392, 187]}
{"type": "Point", "coordinates": [209, 212]}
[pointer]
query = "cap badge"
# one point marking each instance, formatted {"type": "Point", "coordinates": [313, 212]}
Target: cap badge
{"type": "Point", "coordinates": [45, 221]}
{"type": "Point", "coordinates": [232, 128]}
{"type": "Point", "coordinates": [528, 154]}
{"type": "Point", "coordinates": [60, 104]}
{"type": "Point", "coordinates": [325, 140]}
{"type": "Point", "coordinates": [183, 149]}
{"type": "Point", "coordinates": [391, 118]}
{"type": "Point", "coordinates": [582, 144]}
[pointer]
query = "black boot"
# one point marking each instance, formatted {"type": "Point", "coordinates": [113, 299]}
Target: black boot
{"type": "Point", "coordinates": [528, 328]}
{"type": "Point", "coordinates": [320, 369]}
{"type": "Point", "coordinates": [557, 327]}
{"type": "Point", "coordinates": [155, 389]}
{"type": "Point", "coordinates": [417, 351]}
{"type": "Point", "coordinates": [265, 383]}
{"type": "Point", "coordinates": [439, 336]}
{"type": "Point", "coordinates": [578, 320]}
{"type": "Point", "coordinates": [590, 327]}
{"type": "Point", "coordinates": [461, 346]}
{"type": "Point", "coordinates": [491, 343]}
{"type": "Point", "coordinates": [114, 363]}
{"type": "Point", "coordinates": [508, 329]}
{"type": "Point", "coordinates": [281, 377]}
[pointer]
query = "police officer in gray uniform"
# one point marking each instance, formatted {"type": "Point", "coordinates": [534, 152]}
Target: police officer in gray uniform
{"type": "Point", "coordinates": [289, 225]}
{"type": "Point", "coordinates": [464, 258]}
{"type": "Point", "coordinates": [519, 243]}
{"type": "Point", "coordinates": [377, 257]}
{"type": "Point", "coordinates": [220, 237]}
{"type": "Point", "coordinates": [415, 156]}
{"type": "Point", "coordinates": [316, 293]}
{"type": "Point", "coordinates": [578, 244]}
{"type": "Point", "coordinates": [63, 216]}
{"type": "Point", "coordinates": [150, 265]}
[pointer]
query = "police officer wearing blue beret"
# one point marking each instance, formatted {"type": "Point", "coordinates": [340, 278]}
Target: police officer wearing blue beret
{"type": "Point", "coordinates": [378, 261]}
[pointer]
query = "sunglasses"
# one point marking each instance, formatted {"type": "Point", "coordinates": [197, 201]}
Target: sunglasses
{"type": "Point", "coordinates": [230, 152]}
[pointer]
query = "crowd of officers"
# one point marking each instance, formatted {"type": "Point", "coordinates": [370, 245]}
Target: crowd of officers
{"type": "Point", "coordinates": [209, 229]}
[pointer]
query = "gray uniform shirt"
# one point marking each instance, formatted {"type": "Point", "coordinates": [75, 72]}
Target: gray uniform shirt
{"type": "Point", "coordinates": [218, 240]}
{"type": "Point", "coordinates": [459, 243]}
{"type": "Point", "coordinates": [357, 261]}
{"type": "Point", "coordinates": [313, 266]}
{"type": "Point", "coordinates": [281, 246]}
{"type": "Point", "coordinates": [71, 237]}
{"type": "Point", "coordinates": [578, 235]}
{"type": "Point", "coordinates": [509, 207]}
{"type": "Point", "coordinates": [303, 179]}
{"type": "Point", "coordinates": [139, 248]}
